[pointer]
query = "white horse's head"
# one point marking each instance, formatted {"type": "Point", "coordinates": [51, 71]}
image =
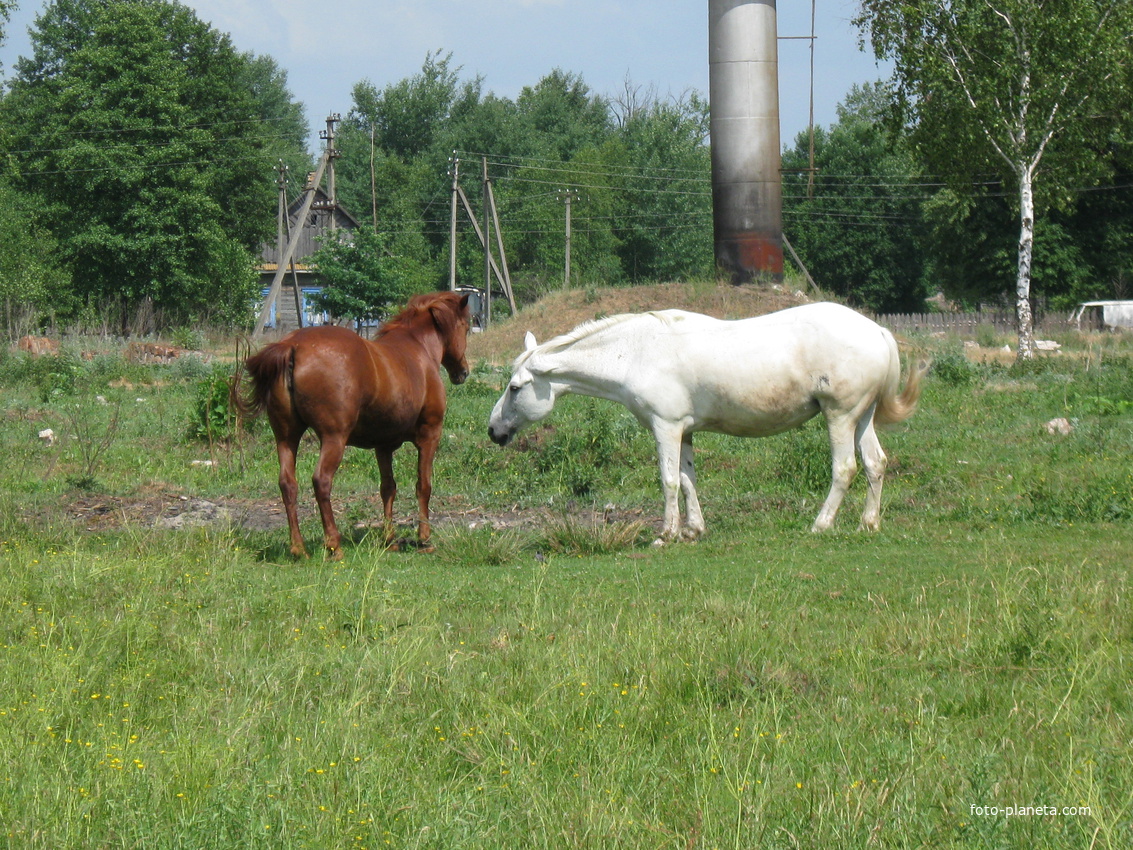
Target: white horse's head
{"type": "Point", "coordinates": [528, 398]}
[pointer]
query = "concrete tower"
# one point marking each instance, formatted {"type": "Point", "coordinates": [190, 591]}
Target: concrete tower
{"type": "Point", "coordinates": [743, 80]}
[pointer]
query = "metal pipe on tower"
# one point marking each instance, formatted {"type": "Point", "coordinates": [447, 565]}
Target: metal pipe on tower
{"type": "Point", "coordinates": [743, 82]}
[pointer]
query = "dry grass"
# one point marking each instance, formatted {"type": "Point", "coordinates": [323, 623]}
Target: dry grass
{"type": "Point", "coordinates": [559, 312]}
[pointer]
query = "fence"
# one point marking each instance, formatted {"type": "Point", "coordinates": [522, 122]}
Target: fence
{"type": "Point", "coordinates": [966, 324]}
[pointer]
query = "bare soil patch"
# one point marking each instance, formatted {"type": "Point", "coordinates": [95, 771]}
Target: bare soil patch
{"type": "Point", "coordinates": [175, 511]}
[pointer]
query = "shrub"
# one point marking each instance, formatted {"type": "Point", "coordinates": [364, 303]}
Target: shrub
{"type": "Point", "coordinates": [954, 368]}
{"type": "Point", "coordinates": [56, 376]}
{"type": "Point", "coordinates": [212, 419]}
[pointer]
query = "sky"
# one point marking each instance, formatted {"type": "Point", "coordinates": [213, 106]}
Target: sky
{"type": "Point", "coordinates": [515, 43]}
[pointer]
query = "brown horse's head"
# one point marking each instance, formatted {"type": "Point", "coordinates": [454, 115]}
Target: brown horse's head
{"type": "Point", "coordinates": [451, 317]}
{"type": "Point", "coordinates": [446, 314]}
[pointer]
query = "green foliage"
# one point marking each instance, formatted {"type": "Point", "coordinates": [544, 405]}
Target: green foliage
{"type": "Point", "coordinates": [857, 222]}
{"type": "Point", "coordinates": [1021, 100]}
{"type": "Point", "coordinates": [639, 179]}
{"type": "Point", "coordinates": [212, 419]}
{"type": "Point", "coordinates": [363, 278]}
{"type": "Point", "coordinates": [158, 180]}
{"type": "Point", "coordinates": [56, 376]}
{"type": "Point", "coordinates": [953, 368]}
{"type": "Point", "coordinates": [580, 456]}
{"type": "Point", "coordinates": [33, 287]}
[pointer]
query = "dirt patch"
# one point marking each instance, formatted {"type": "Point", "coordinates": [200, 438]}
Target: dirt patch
{"type": "Point", "coordinates": [177, 511]}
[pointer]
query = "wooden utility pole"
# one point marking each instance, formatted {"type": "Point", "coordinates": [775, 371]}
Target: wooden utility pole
{"type": "Point", "coordinates": [500, 246]}
{"type": "Point", "coordinates": [488, 262]}
{"type": "Point", "coordinates": [331, 154]}
{"type": "Point", "coordinates": [503, 276]}
{"type": "Point", "coordinates": [289, 251]}
{"type": "Point", "coordinates": [452, 222]}
{"type": "Point", "coordinates": [567, 195]}
{"type": "Point", "coordinates": [283, 231]}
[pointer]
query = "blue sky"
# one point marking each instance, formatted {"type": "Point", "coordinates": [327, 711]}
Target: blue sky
{"type": "Point", "coordinates": [327, 47]}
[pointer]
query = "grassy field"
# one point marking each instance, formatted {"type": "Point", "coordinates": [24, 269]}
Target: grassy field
{"type": "Point", "coordinates": [551, 681]}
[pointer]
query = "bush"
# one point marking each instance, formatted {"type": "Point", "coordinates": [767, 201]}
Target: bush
{"type": "Point", "coordinates": [954, 368]}
{"type": "Point", "coordinates": [56, 376]}
{"type": "Point", "coordinates": [212, 419]}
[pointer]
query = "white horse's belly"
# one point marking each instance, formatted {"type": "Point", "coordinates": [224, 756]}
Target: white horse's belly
{"type": "Point", "coordinates": [755, 414]}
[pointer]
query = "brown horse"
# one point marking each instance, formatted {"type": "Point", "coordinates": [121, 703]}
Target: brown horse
{"type": "Point", "coordinates": [374, 394]}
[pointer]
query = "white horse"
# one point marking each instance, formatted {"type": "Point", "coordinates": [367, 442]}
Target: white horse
{"type": "Point", "coordinates": [680, 372]}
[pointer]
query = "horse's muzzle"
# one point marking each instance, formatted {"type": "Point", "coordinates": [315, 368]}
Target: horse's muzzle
{"type": "Point", "coordinates": [500, 438]}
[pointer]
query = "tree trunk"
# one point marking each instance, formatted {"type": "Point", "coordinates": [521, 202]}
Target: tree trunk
{"type": "Point", "coordinates": [1025, 320]}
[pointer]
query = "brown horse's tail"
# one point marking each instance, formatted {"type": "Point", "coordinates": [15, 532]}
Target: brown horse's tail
{"type": "Point", "coordinates": [271, 364]}
{"type": "Point", "coordinates": [893, 408]}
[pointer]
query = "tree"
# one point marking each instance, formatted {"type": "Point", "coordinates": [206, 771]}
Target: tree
{"type": "Point", "coordinates": [138, 128]}
{"type": "Point", "coordinates": [362, 279]}
{"type": "Point", "coordinates": [33, 288]}
{"type": "Point", "coordinates": [856, 223]}
{"type": "Point", "coordinates": [1009, 84]}
{"type": "Point", "coordinates": [6, 8]}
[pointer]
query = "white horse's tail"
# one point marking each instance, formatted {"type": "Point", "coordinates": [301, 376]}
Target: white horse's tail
{"type": "Point", "coordinates": [893, 408]}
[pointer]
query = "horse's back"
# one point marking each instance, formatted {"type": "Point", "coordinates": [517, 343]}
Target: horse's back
{"type": "Point", "coordinates": [375, 391]}
{"type": "Point", "coordinates": [768, 373]}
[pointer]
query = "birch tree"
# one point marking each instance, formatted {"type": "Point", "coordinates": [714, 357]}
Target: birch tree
{"type": "Point", "coordinates": [1028, 87]}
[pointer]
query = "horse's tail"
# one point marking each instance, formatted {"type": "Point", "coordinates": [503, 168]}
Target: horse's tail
{"type": "Point", "coordinates": [273, 363]}
{"type": "Point", "coordinates": [894, 407]}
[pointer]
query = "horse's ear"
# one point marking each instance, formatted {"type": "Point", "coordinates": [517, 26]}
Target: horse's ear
{"type": "Point", "coordinates": [529, 341]}
{"type": "Point", "coordinates": [464, 300]}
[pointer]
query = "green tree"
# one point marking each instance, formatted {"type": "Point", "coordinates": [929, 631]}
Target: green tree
{"type": "Point", "coordinates": [33, 288]}
{"type": "Point", "coordinates": [363, 278]}
{"type": "Point", "coordinates": [1009, 86]}
{"type": "Point", "coordinates": [663, 220]}
{"type": "Point", "coordinates": [6, 9]}
{"type": "Point", "coordinates": [136, 126]}
{"type": "Point", "coordinates": [856, 222]}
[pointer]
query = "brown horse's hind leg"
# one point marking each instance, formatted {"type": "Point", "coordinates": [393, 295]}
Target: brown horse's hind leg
{"type": "Point", "coordinates": [289, 490]}
{"type": "Point", "coordinates": [388, 492]}
{"type": "Point", "coordinates": [330, 456]}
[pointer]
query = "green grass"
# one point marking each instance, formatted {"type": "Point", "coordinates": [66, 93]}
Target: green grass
{"type": "Point", "coordinates": [572, 686]}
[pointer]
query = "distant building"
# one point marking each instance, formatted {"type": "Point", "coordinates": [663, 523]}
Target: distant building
{"type": "Point", "coordinates": [316, 226]}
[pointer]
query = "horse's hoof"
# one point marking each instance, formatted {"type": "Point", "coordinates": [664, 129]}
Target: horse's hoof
{"type": "Point", "coordinates": [299, 554]}
{"type": "Point", "coordinates": [427, 548]}
{"type": "Point", "coordinates": [660, 541]}
{"type": "Point", "coordinates": [334, 554]}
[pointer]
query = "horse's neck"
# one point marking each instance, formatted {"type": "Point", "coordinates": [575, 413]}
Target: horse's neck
{"type": "Point", "coordinates": [585, 368]}
{"type": "Point", "coordinates": [406, 335]}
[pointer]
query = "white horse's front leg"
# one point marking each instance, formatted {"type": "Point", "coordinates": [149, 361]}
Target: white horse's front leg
{"type": "Point", "coordinates": [668, 437]}
{"type": "Point", "coordinates": [694, 519]}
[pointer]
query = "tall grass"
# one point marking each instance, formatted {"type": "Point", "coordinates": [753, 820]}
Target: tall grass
{"type": "Point", "coordinates": [566, 684]}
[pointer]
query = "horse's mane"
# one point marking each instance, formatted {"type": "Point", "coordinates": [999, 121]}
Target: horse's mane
{"type": "Point", "coordinates": [417, 305]}
{"type": "Point", "coordinates": [584, 331]}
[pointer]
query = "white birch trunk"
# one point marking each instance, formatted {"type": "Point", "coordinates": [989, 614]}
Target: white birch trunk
{"type": "Point", "coordinates": [1025, 320]}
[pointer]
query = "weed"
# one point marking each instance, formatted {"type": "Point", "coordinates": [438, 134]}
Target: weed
{"type": "Point", "coordinates": [212, 419]}
{"type": "Point", "coordinates": [56, 376]}
{"type": "Point", "coordinates": [953, 368]}
{"type": "Point", "coordinates": [568, 535]}
{"type": "Point", "coordinates": [482, 546]}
